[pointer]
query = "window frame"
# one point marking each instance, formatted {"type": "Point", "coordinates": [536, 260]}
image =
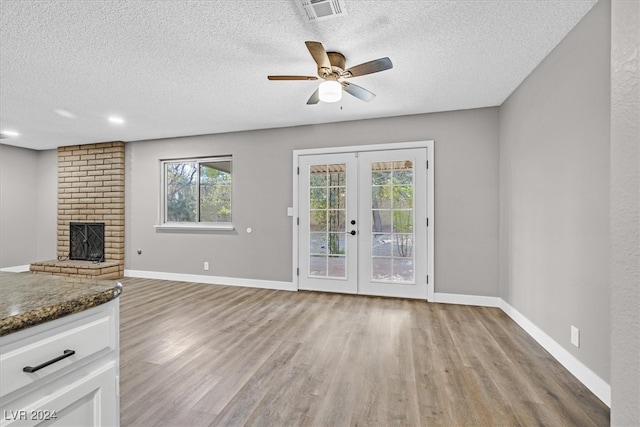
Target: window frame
{"type": "Point", "coordinates": [163, 224]}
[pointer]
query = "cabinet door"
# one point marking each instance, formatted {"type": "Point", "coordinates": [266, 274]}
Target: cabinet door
{"type": "Point", "coordinates": [90, 401]}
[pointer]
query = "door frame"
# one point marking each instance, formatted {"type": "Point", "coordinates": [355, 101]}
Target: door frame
{"type": "Point", "coordinates": [428, 144]}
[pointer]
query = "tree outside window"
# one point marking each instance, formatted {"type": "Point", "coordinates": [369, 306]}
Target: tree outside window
{"type": "Point", "coordinates": [198, 190]}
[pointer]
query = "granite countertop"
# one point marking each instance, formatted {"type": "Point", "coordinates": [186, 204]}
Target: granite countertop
{"type": "Point", "coordinates": [28, 299]}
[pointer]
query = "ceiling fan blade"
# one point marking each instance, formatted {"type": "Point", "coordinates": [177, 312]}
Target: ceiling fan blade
{"type": "Point", "coordinates": [292, 78]}
{"type": "Point", "coordinates": [370, 67]}
{"type": "Point", "coordinates": [315, 97]}
{"type": "Point", "coordinates": [358, 92]}
{"type": "Point", "coordinates": [319, 54]}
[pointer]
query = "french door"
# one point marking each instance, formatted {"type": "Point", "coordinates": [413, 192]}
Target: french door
{"type": "Point", "coordinates": [363, 222]}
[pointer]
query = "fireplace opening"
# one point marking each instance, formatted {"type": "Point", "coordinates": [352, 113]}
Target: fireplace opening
{"type": "Point", "coordinates": [86, 241]}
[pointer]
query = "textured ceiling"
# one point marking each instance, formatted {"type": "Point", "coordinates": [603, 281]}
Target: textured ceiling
{"type": "Point", "coordinates": [176, 68]}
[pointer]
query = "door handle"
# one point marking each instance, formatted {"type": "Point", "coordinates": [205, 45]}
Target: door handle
{"type": "Point", "coordinates": [353, 232]}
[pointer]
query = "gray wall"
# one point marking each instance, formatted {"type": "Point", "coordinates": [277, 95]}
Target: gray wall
{"type": "Point", "coordinates": [625, 213]}
{"type": "Point", "coordinates": [554, 190]}
{"type": "Point", "coordinates": [47, 204]}
{"type": "Point", "coordinates": [18, 214]}
{"type": "Point", "coordinates": [28, 205]}
{"type": "Point", "coordinates": [466, 168]}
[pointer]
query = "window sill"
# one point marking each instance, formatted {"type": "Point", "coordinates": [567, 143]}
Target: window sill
{"type": "Point", "coordinates": [194, 227]}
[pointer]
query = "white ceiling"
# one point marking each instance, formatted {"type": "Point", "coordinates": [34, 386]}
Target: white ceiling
{"type": "Point", "coordinates": [177, 68]}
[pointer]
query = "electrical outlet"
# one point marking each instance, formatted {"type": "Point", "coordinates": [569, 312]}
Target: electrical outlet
{"type": "Point", "coordinates": [575, 336]}
{"type": "Point", "coordinates": [206, 266]}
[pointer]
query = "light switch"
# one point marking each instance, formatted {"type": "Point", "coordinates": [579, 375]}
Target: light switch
{"type": "Point", "coordinates": [575, 336]}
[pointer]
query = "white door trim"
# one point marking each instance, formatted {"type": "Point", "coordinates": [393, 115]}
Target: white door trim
{"type": "Point", "coordinates": [428, 144]}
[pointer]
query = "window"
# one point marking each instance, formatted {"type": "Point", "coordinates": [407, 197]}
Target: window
{"type": "Point", "coordinates": [197, 193]}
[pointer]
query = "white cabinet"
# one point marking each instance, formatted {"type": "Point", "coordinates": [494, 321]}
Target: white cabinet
{"type": "Point", "coordinates": [80, 388]}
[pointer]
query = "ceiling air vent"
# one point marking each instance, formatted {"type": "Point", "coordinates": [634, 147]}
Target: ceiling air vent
{"type": "Point", "coordinates": [319, 10]}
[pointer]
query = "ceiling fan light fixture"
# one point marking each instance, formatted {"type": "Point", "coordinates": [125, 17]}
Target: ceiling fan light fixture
{"type": "Point", "coordinates": [330, 91]}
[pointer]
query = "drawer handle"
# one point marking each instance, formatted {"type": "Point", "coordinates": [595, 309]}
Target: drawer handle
{"type": "Point", "coordinates": [32, 369]}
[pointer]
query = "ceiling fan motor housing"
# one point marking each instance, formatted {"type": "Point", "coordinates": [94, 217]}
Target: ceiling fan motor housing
{"type": "Point", "coordinates": [338, 62]}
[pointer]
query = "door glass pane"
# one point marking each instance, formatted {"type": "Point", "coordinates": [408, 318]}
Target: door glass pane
{"type": "Point", "coordinates": [403, 246]}
{"type": "Point", "coordinates": [381, 245]}
{"type": "Point", "coordinates": [402, 196]}
{"type": "Point", "coordinates": [327, 225]}
{"type": "Point", "coordinates": [403, 221]}
{"type": "Point", "coordinates": [318, 198]}
{"type": "Point", "coordinates": [381, 269]}
{"type": "Point", "coordinates": [336, 266]}
{"type": "Point", "coordinates": [337, 197]}
{"type": "Point", "coordinates": [402, 270]}
{"type": "Point", "coordinates": [337, 244]}
{"type": "Point", "coordinates": [336, 175]}
{"type": "Point", "coordinates": [381, 221]}
{"type": "Point", "coordinates": [392, 234]}
{"type": "Point", "coordinates": [381, 197]}
{"type": "Point", "coordinates": [318, 265]}
{"type": "Point", "coordinates": [318, 176]}
{"type": "Point", "coordinates": [318, 243]}
{"type": "Point", "coordinates": [318, 220]}
{"type": "Point", "coordinates": [336, 220]}
{"type": "Point", "coordinates": [380, 176]}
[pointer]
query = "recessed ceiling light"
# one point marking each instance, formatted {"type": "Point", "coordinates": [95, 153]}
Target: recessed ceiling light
{"type": "Point", "coordinates": [9, 133]}
{"type": "Point", "coordinates": [116, 120]}
{"type": "Point", "coordinates": [64, 113]}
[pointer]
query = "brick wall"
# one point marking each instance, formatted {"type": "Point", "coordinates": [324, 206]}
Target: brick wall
{"type": "Point", "coordinates": [91, 189]}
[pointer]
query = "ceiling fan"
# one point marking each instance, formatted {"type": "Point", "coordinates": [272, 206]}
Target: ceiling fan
{"type": "Point", "coordinates": [331, 68]}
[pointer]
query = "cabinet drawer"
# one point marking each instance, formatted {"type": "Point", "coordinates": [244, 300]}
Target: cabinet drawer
{"type": "Point", "coordinates": [88, 401]}
{"type": "Point", "coordinates": [85, 336]}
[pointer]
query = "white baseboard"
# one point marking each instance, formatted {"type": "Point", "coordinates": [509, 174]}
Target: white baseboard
{"type": "Point", "coordinates": [467, 299]}
{"type": "Point", "coordinates": [586, 376]}
{"type": "Point", "coordinates": [16, 269]}
{"type": "Point", "coordinates": [213, 280]}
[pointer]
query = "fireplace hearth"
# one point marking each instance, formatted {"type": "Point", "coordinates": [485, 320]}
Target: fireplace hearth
{"type": "Point", "coordinates": [86, 241]}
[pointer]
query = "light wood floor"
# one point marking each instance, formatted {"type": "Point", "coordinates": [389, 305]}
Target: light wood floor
{"type": "Point", "coordinates": [198, 355]}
